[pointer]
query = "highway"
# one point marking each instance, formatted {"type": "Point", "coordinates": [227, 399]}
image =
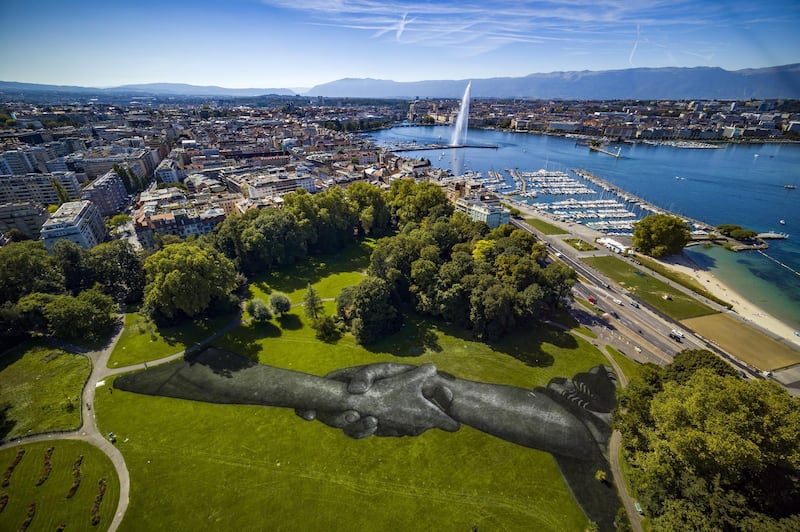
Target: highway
{"type": "Point", "coordinates": [646, 330]}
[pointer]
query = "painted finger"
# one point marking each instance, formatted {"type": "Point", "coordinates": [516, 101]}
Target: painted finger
{"type": "Point", "coordinates": [308, 415]}
{"type": "Point", "coordinates": [339, 419]}
{"type": "Point", "coordinates": [362, 428]}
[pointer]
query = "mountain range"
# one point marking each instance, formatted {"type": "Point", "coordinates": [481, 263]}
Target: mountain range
{"type": "Point", "coordinates": [633, 83]}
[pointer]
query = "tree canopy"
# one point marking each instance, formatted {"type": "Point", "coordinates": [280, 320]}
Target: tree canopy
{"type": "Point", "coordinates": [185, 278]}
{"type": "Point", "coordinates": [711, 448]}
{"type": "Point", "coordinates": [661, 235]}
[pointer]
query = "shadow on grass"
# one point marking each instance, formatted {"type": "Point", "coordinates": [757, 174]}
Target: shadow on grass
{"type": "Point", "coordinates": [416, 337]}
{"type": "Point", "coordinates": [290, 322]}
{"type": "Point", "coordinates": [6, 423]}
{"type": "Point", "coordinates": [245, 339]}
{"type": "Point", "coordinates": [191, 331]}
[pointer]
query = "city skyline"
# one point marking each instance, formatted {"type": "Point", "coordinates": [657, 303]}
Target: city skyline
{"type": "Point", "coordinates": [282, 44]}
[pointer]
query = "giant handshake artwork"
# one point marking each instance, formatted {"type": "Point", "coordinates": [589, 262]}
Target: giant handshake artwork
{"type": "Point", "coordinates": [569, 418]}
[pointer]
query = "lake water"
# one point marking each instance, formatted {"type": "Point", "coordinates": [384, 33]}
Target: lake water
{"type": "Point", "coordinates": [740, 184]}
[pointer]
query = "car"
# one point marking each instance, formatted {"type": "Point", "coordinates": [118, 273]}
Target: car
{"type": "Point", "coordinates": [592, 300]}
{"type": "Point", "coordinates": [634, 304]}
{"type": "Point", "coordinates": [617, 301]}
{"type": "Point", "coordinates": [638, 507]}
{"type": "Point", "coordinates": [677, 335]}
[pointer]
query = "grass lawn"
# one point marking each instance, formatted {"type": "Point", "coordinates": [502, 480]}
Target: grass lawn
{"type": "Point", "coordinates": [142, 340]}
{"type": "Point", "coordinates": [580, 245]}
{"type": "Point", "coordinates": [328, 274]}
{"type": "Point", "coordinates": [53, 509]}
{"type": "Point", "coordinates": [682, 279]}
{"type": "Point", "coordinates": [545, 227]}
{"type": "Point", "coordinates": [745, 343]}
{"type": "Point", "coordinates": [650, 289]}
{"type": "Point", "coordinates": [630, 368]}
{"type": "Point", "coordinates": [40, 390]}
{"type": "Point", "coordinates": [199, 466]}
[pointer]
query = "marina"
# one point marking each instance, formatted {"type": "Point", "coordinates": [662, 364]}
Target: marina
{"type": "Point", "coordinates": [716, 186]}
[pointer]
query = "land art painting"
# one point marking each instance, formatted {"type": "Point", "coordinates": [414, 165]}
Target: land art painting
{"type": "Point", "coordinates": [569, 418]}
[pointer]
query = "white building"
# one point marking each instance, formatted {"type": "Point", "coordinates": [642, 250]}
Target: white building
{"type": "Point", "coordinates": [484, 209]}
{"type": "Point", "coordinates": [77, 221]}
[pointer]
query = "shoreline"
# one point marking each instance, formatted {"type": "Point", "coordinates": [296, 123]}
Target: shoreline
{"type": "Point", "coordinates": [747, 310]}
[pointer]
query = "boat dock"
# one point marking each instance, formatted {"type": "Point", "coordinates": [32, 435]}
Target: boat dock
{"type": "Point", "coordinates": [603, 150]}
{"type": "Point", "coordinates": [773, 235]}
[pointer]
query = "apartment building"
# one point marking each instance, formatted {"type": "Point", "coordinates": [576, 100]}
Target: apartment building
{"type": "Point", "coordinates": [108, 193]}
{"type": "Point", "coordinates": [38, 188]}
{"type": "Point", "coordinates": [77, 221]}
{"type": "Point", "coordinates": [24, 216]}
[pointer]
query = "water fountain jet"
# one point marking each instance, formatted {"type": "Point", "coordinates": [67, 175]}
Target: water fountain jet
{"type": "Point", "coordinates": [459, 137]}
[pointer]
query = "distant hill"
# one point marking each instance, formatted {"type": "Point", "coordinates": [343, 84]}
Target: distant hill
{"type": "Point", "coordinates": [157, 89]}
{"type": "Point", "coordinates": [633, 83]}
{"type": "Point", "coordinates": [183, 89]}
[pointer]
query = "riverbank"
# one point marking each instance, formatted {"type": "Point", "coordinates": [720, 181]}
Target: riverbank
{"type": "Point", "coordinates": [745, 308]}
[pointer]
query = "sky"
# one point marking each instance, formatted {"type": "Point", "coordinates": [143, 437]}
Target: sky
{"type": "Point", "coordinates": [299, 44]}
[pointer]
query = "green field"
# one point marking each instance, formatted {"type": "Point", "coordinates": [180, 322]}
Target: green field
{"type": "Point", "coordinates": [544, 227]}
{"type": "Point", "coordinates": [630, 368]}
{"type": "Point", "coordinates": [142, 340]}
{"type": "Point", "coordinates": [679, 306]}
{"type": "Point", "coordinates": [53, 509]}
{"type": "Point", "coordinates": [580, 245]}
{"type": "Point", "coordinates": [682, 279]}
{"type": "Point", "coordinates": [40, 390]}
{"type": "Point", "coordinates": [199, 466]}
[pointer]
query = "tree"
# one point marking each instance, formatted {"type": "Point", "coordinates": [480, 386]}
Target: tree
{"type": "Point", "coordinates": [185, 278]}
{"type": "Point", "coordinates": [118, 220]}
{"type": "Point", "coordinates": [61, 192]}
{"type": "Point", "coordinates": [371, 314]}
{"type": "Point", "coordinates": [707, 443]}
{"type": "Point", "coordinates": [86, 316]}
{"type": "Point", "coordinates": [313, 303]}
{"type": "Point", "coordinates": [258, 310]}
{"type": "Point", "coordinates": [600, 475]}
{"type": "Point", "coordinates": [69, 257]}
{"type": "Point", "coordinates": [280, 303]}
{"type": "Point", "coordinates": [326, 329]}
{"type": "Point", "coordinates": [374, 216]}
{"type": "Point", "coordinates": [26, 267]}
{"type": "Point", "coordinates": [118, 268]}
{"type": "Point", "coordinates": [660, 235]}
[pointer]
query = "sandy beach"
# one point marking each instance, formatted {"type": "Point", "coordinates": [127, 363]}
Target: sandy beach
{"type": "Point", "coordinates": [741, 306]}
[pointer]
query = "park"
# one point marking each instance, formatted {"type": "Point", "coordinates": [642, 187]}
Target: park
{"type": "Point", "coordinates": [194, 464]}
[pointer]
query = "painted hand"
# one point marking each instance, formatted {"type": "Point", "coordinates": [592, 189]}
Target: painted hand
{"type": "Point", "coordinates": [392, 400]}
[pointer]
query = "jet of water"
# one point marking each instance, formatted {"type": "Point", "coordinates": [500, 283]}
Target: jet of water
{"type": "Point", "coordinates": [462, 121]}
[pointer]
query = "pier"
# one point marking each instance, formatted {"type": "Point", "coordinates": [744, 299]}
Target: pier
{"type": "Point", "coordinates": [772, 235]}
{"type": "Point", "coordinates": [431, 147]}
{"type": "Point", "coordinates": [603, 150]}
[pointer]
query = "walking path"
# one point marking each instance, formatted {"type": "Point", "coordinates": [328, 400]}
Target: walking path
{"type": "Point", "coordinates": [615, 442]}
{"type": "Point", "coordinates": [88, 431]}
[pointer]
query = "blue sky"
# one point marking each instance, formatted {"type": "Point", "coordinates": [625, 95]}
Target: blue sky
{"type": "Point", "coordinates": [296, 43]}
